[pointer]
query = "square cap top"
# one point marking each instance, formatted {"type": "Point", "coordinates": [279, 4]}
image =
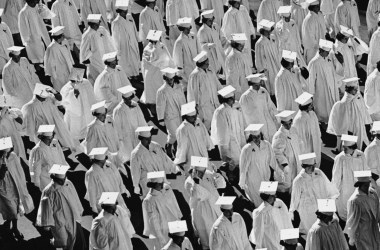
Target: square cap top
{"type": "Point", "coordinates": [154, 35]}
{"type": "Point", "coordinates": [312, 2]}
{"type": "Point", "coordinates": [304, 99]}
{"type": "Point", "coordinates": [256, 78]}
{"type": "Point", "coordinates": [127, 91]}
{"type": "Point", "coordinates": [76, 74]}
{"type": "Point", "coordinates": [144, 131]}
{"type": "Point", "coordinates": [268, 187]}
{"type": "Point", "coordinates": [239, 37]}
{"type": "Point", "coordinates": [15, 49]}
{"type": "Point", "coordinates": [6, 143]}
{"type": "Point", "coordinates": [59, 169]}
{"type": "Point", "coordinates": [98, 106]}
{"type": "Point", "coordinates": [266, 24]}
{"type": "Point", "coordinates": [227, 91]}
{"type": "Point", "coordinates": [155, 175]}
{"type": "Point", "coordinates": [94, 17]}
{"type": "Point", "coordinates": [98, 151]}
{"type": "Point", "coordinates": [1, 12]}
{"type": "Point", "coordinates": [284, 10]}
{"type": "Point", "coordinates": [308, 159]}
{"type": "Point", "coordinates": [349, 140]}
{"type": "Point", "coordinates": [109, 57]}
{"type": "Point", "coordinates": [108, 198]}
{"type": "Point", "coordinates": [46, 129]}
{"type": "Point", "coordinates": [57, 30]}
{"type": "Point", "coordinates": [122, 4]}
{"type": "Point", "coordinates": [188, 109]}
{"type": "Point", "coordinates": [346, 31]}
{"type": "Point", "coordinates": [363, 176]}
{"type": "Point", "coordinates": [40, 90]}
{"type": "Point", "coordinates": [254, 128]}
{"type": "Point", "coordinates": [288, 234]}
{"type": "Point", "coordinates": [289, 56]}
{"type": "Point", "coordinates": [46, 13]}
{"type": "Point", "coordinates": [169, 72]}
{"type": "Point", "coordinates": [225, 201]}
{"type": "Point", "coordinates": [326, 205]}
{"type": "Point", "coordinates": [376, 127]}
{"type": "Point", "coordinates": [201, 57]}
{"type": "Point", "coordinates": [208, 13]}
{"type": "Point", "coordinates": [197, 161]}
{"type": "Point", "coordinates": [177, 226]}
{"type": "Point", "coordinates": [285, 115]}
{"type": "Point", "coordinates": [352, 82]}
{"type": "Point", "coordinates": [184, 22]}
{"type": "Point", "coordinates": [7, 101]}
{"type": "Point", "coordinates": [325, 45]}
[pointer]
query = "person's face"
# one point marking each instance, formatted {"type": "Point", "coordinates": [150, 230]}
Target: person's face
{"type": "Point", "coordinates": [255, 85]}
{"type": "Point", "coordinates": [316, 8]}
{"type": "Point", "coordinates": [123, 13]}
{"type": "Point", "coordinates": [32, 3]}
{"type": "Point", "coordinates": [60, 180]}
{"type": "Point", "coordinates": [240, 46]}
{"type": "Point", "coordinates": [310, 107]}
{"type": "Point", "coordinates": [365, 187]}
{"type": "Point", "coordinates": [256, 138]}
{"type": "Point", "coordinates": [309, 169]}
{"type": "Point", "coordinates": [271, 199]}
{"type": "Point", "coordinates": [236, 5]}
{"type": "Point", "coordinates": [288, 124]}
{"type": "Point", "coordinates": [102, 116]}
{"type": "Point", "coordinates": [16, 58]}
{"type": "Point", "coordinates": [94, 26]}
{"type": "Point", "coordinates": [146, 141]}
{"type": "Point", "coordinates": [128, 100]}
{"type": "Point", "coordinates": [267, 32]}
{"type": "Point", "coordinates": [178, 239]}
{"type": "Point", "coordinates": [348, 150]}
{"type": "Point", "coordinates": [169, 80]}
{"type": "Point", "coordinates": [206, 64]}
{"type": "Point", "coordinates": [323, 53]}
{"type": "Point", "coordinates": [113, 64]}
{"type": "Point", "coordinates": [47, 139]}
{"type": "Point", "coordinates": [231, 101]}
{"type": "Point", "coordinates": [344, 40]}
{"type": "Point", "coordinates": [353, 91]}
{"type": "Point", "coordinates": [287, 18]}
{"type": "Point", "coordinates": [111, 209]}
{"type": "Point", "coordinates": [199, 172]}
{"type": "Point", "coordinates": [290, 65]}
{"type": "Point", "coordinates": [191, 119]}
{"type": "Point", "coordinates": [158, 186]}
{"type": "Point", "coordinates": [209, 21]}
{"type": "Point", "coordinates": [228, 213]}
{"type": "Point", "coordinates": [187, 30]}
{"type": "Point", "coordinates": [328, 218]}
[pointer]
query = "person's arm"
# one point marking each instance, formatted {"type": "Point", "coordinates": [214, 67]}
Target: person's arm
{"type": "Point", "coordinates": [244, 163]}
{"type": "Point", "coordinates": [353, 219]}
{"type": "Point", "coordinates": [296, 195]}
{"type": "Point", "coordinates": [23, 26]}
{"type": "Point", "coordinates": [135, 172]}
{"type": "Point", "coordinates": [155, 222]}
{"type": "Point", "coordinates": [337, 172]}
{"type": "Point", "coordinates": [279, 148]}
{"type": "Point", "coordinates": [160, 105]}
{"type": "Point", "coordinates": [182, 146]}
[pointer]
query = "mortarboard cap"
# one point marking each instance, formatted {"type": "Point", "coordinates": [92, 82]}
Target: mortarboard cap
{"type": "Point", "coordinates": [177, 227]}
{"type": "Point", "coordinates": [268, 187]}
{"type": "Point", "coordinates": [41, 90]}
{"type": "Point", "coordinates": [239, 37]}
{"type": "Point", "coordinates": [156, 176]}
{"type": "Point", "coordinates": [307, 159]}
{"type": "Point", "coordinates": [284, 10]}
{"type": "Point", "coordinates": [6, 143]}
{"type": "Point", "coordinates": [312, 2]}
{"type": "Point", "coordinates": [59, 169]}
{"type": "Point", "coordinates": [285, 115]}
{"type": "Point", "coordinates": [304, 99]}
{"type": "Point", "coordinates": [376, 127]}
{"type": "Point", "coordinates": [169, 72]}
{"type": "Point", "coordinates": [56, 31]}
{"type": "Point", "coordinates": [256, 78]}
{"type": "Point", "coordinates": [46, 130]}
{"type": "Point", "coordinates": [184, 22]}
{"type": "Point", "coordinates": [325, 45]}
{"type": "Point", "coordinates": [352, 82]}
{"type": "Point", "coordinates": [326, 205]}
{"type": "Point", "coordinates": [1, 12]}
{"type": "Point", "coordinates": [7, 101]}
{"type": "Point", "coordinates": [16, 50]}
{"type": "Point", "coordinates": [108, 198]}
{"type": "Point", "coordinates": [363, 176]}
{"type": "Point", "coordinates": [144, 131]}
{"type": "Point", "coordinates": [94, 18]}
{"type": "Point", "coordinates": [197, 161]}
{"type": "Point", "coordinates": [188, 109]}
{"type": "Point", "coordinates": [289, 234]}
{"type": "Point", "coordinates": [99, 107]}
{"type": "Point", "coordinates": [289, 56]}
{"type": "Point", "coordinates": [127, 91]}
{"type": "Point", "coordinates": [346, 31]}
{"type": "Point", "coordinates": [254, 129]}
{"type": "Point", "coordinates": [201, 57]}
{"type": "Point", "coordinates": [225, 202]}
{"type": "Point", "coordinates": [109, 57]}
{"type": "Point", "coordinates": [99, 153]}
{"type": "Point", "coordinates": [266, 24]}
{"type": "Point", "coordinates": [76, 74]}
{"type": "Point", "coordinates": [227, 91]}
{"type": "Point", "coordinates": [154, 35]}
{"type": "Point", "coordinates": [349, 140]}
{"type": "Point", "coordinates": [208, 13]}
{"type": "Point", "coordinates": [122, 4]}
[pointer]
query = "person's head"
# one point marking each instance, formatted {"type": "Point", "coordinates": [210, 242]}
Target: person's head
{"type": "Point", "coordinates": [235, 3]}
{"type": "Point", "coordinates": [32, 3]}
{"type": "Point", "coordinates": [177, 238]}
{"type": "Point", "coordinates": [286, 64]}
{"type": "Point", "coordinates": [308, 162]}
{"type": "Point", "coordinates": [58, 173]}
{"type": "Point", "coordinates": [100, 114]}
{"type": "Point", "coordinates": [144, 135]}
{"type": "Point", "coordinates": [109, 208]}
{"type": "Point", "coordinates": [326, 217]}
{"type": "Point", "coordinates": [198, 172]}
{"type": "Point", "coordinates": [191, 118]}
{"type": "Point", "coordinates": [150, 3]}
{"type": "Point", "coordinates": [287, 124]}
{"type": "Point", "coordinates": [208, 21]}
{"type": "Point", "coordinates": [323, 53]}
{"type": "Point", "coordinates": [349, 143]}
{"type": "Point", "coordinates": [270, 198]}
{"type": "Point", "coordinates": [255, 81]}
{"type": "Point", "coordinates": [307, 108]}
{"type": "Point", "coordinates": [59, 38]}
{"type": "Point", "coordinates": [353, 90]}
{"type": "Point", "coordinates": [309, 167]}
{"type": "Point", "coordinates": [265, 32]}
{"type": "Point", "coordinates": [203, 65]}
{"type": "Point", "coordinates": [342, 38]}
{"type": "Point", "coordinates": [108, 202]}
{"type": "Point", "coordinates": [94, 25]}
{"type": "Point", "coordinates": [46, 138]}
{"type": "Point", "coordinates": [156, 184]}
{"type": "Point", "coordinates": [99, 156]}
{"type": "Point", "coordinates": [184, 25]}
{"type": "Point", "coordinates": [314, 7]}
{"type": "Point", "coordinates": [122, 11]}
{"type": "Point", "coordinates": [110, 60]}
{"type": "Point", "coordinates": [254, 133]}
{"type": "Point", "coordinates": [227, 95]}
{"type": "Point", "coordinates": [363, 180]}
{"type": "Point", "coordinates": [58, 179]}
{"type": "Point", "coordinates": [363, 186]}
{"type": "Point", "coordinates": [227, 211]}
{"type": "Point", "coordinates": [237, 45]}
{"type": "Point", "coordinates": [16, 57]}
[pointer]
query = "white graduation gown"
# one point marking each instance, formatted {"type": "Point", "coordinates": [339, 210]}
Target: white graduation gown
{"type": "Point", "coordinates": [372, 156]}
{"type": "Point", "coordinates": [374, 51]}
{"type": "Point", "coordinates": [150, 19]}
{"type": "Point", "coordinates": [372, 94]}
{"type": "Point", "coordinates": [217, 6]}
{"type": "Point", "coordinates": [10, 15]}
{"type": "Point", "coordinates": [268, 10]}
{"type": "Point", "coordinates": [346, 14]}
{"type": "Point", "coordinates": [94, 7]}
{"type": "Point", "coordinates": [348, 53]}
{"type": "Point", "coordinates": [313, 29]}
{"type": "Point", "coordinates": [298, 14]}
{"type": "Point", "coordinates": [372, 15]}
{"type": "Point", "coordinates": [237, 68]}
{"type": "Point", "coordinates": [6, 41]}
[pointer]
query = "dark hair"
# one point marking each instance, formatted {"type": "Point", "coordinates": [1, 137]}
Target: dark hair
{"type": "Point", "coordinates": [234, 44]}
{"type": "Point", "coordinates": [359, 184]}
{"type": "Point", "coordinates": [283, 122]}
{"type": "Point", "coordinates": [261, 31]}
{"type": "Point", "coordinates": [250, 137]}
{"type": "Point", "coordinates": [340, 36]}
{"type": "Point", "coordinates": [355, 146]}
{"type": "Point", "coordinates": [151, 184]}
{"type": "Point", "coordinates": [349, 88]}
{"type": "Point", "coordinates": [200, 64]}
{"type": "Point", "coordinates": [285, 63]}
{"type": "Point", "coordinates": [304, 107]}
{"type": "Point", "coordinates": [119, 11]}
{"type": "Point", "coordinates": [378, 65]}
{"type": "Point", "coordinates": [224, 100]}
{"type": "Point", "coordinates": [264, 197]}
{"type": "Point", "coordinates": [57, 37]}
{"type": "Point", "coordinates": [182, 28]}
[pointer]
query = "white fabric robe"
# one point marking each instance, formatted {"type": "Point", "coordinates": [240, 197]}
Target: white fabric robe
{"type": "Point", "coordinates": [255, 166]}
{"type": "Point", "coordinates": [306, 126]}
{"type": "Point", "coordinates": [374, 52]}
{"type": "Point", "coordinates": [258, 108]}
{"type": "Point", "coordinates": [372, 15]}
{"type": "Point", "coordinates": [268, 221]}
{"type": "Point", "coordinates": [58, 63]}
{"type": "Point", "coordinates": [343, 177]}
{"type": "Point", "coordinates": [349, 62]}
{"type": "Point", "coordinates": [126, 120]}
{"type": "Point", "coordinates": [228, 235]}
{"type": "Point", "coordinates": [176, 9]}
{"type": "Point", "coordinates": [106, 85]}
{"type": "Point", "coordinates": [6, 41]}
{"type": "Point", "coordinates": [237, 68]}
{"type": "Point", "coordinates": [125, 36]}
{"type": "Point", "coordinates": [227, 128]}
{"type": "Point", "coordinates": [10, 15]}
{"type": "Point", "coordinates": [19, 80]}
{"type": "Point", "coordinates": [306, 190]}
{"type": "Point", "coordinates": [203, 88]}
{"type": "Point", "coordinates": [94, 7]}
{"type": "Point", "coordinates": [372, 156]}
{"type": "Point", "coordinates": [78, 110]}
{"type": "Point", "coordinates": [186, 245]}
{"type": "Point", "coordinates": [268, 57]}
{"type": "Point", "coordinates": [372, 94]}
{"type": "Point", "coordinates": [298, 14]}
{"type": "Point", "coordinates": [94, 45]}
{"type": "Point", "coordinates": [217, 6]}
{"type": "Point", "coordinates": [268, 10]}
{"type": "Point", "coordinates": [346, 14]}
{"type": "Point", "coordinates": [150, 19]}
{"type": "Point", "coordinates": [204, 212]}
{"type": "Point", "coordinates": [350, 115]}
{"type": "Point", "coordinates": [313, 29]}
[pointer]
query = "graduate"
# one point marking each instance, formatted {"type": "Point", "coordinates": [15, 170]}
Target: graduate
{"type": "Point", "coordinates": [346, 14]}
{"type": "Point", "coordinates": [159, 207]}
{"type": "Point", "coordinates": [290, 81]}
{"type": "Point", "coordinates": [269, 218]}
{"type": "Point", "coordinates": [186, 47]}
{"type": "Point", "coordinates": [269, 10]}
{"type": "Point", "coordinates": [15, 200]}
{"type": "Point", "coordinates": [309, 185]}
{"type": "Point", "coordinates": [372, 93]}
{"type": "Point", "coordinates": [257, 160]}
{"type": "Point", "coordinates": [372, 152]}
{"type": "Point", "coordinates": [109, 81]}
{"type": "Point", "coordinates": [58, 60]}
{"type": "Point", "coordinates": [289, 239]}
{"type": "Point", "coordinates": [193, 138]}
{"type": "Point", "coordinates": [77, 99]}
{"type": "Point", "coordinates": [10, 17]}
{"type": "Point", "coordinates": [203, 88]}
{"type": "Point", "coordinates": [374, 52]}
{"type": "Point", "coordinates": [19, 77]}
{"type": "Point", "coordinates": [97, 7]}
{"type": "Point", "coordinates": [299, 13]}
{"type": "Point", "coordinates": [267, 56]}
{"type": "Point", "coordinates": [350, 115]}
{"type": "Point", "coordinates": [306, 126]}
{"type": "Point", "coordinates": [103, 176]}
{"type": "Point", "coordinates": [227, 127]}
{"type": "Point", "coordinates": [363, 213]}
{"type": "Point", "coordinates": [202, 188]}
{"type": "Point", "coordinates": [372, 15]}
{"type": "Point", "coordinates": [169, 100]}
{"type": "Point", "coordinates": [217, 8]}
{"type": "Point", "coordinates": [257, 107]}
{"type": "Point", "coordinates": [127, 118]}
{"type": "Point", "coordinates": [342, 44]}
{"type": "Point", "coordinates": [44, 155]}
{"type": "Point", "coordinates": [178, 240]}
{"type": "Point", "coordinates": [229, 231]}
{"type": "Point", "coordinates": [112, 228]}
{"type": "Point", "coordinates": [60, 210]}
{"type": "Point", "coordinates": [6, 41]}
{"type": "Point", "coordinates": [326, 232]}
{"type": "Point", "coordinates": [124, 34]}
{"type": "Point", "coordinates": [33, 32]}
{"type": "Point", "coordinates": [237, 66]}
{"type": "Point", "coordinates": [96, 41]}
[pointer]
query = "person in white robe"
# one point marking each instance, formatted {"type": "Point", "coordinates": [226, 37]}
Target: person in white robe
{"type": "Point", "coordinates": [112, 228]}
{"type": "Point", "coordinates": [345, 164]}
{"type": "Point", "coordinates": [328, 8]}
{"type": "Point", "coordinates": [88, 7]}
{"type": "Point", "coordinates": [192, 137]}
{"type": "Point", "coordinates": [10, 17]}
{"type": "Point", "coordinates": [202, 189]}
{"type": "Point", "coordinates": [237, 20]}
{"type": "Point", "coordinates": [313, 29]}
{"type": "Point", "coordinates": [6, 41]}
{"type": "Point", "coordinates": [159, 207]}
{"type": "Point", "coordinates": [374, 52]}
{"type": "Point", "coordinates": [15, 200]}
{"type": "Point", "coordinates": [229, 231]}
{"type": "Point", "coordinates": [77, 99]}
{"type": "Point", "coordinates": [290, 81]}
{"type": "Point", "coordinates": [343, 45]}
{"type": "Point", "coordinates": [96, 41]}
{"type": "Point", "coordinates": [258, 108]}
{"type": "Point", "coordinates": [109, 81]}
{"type": "Point", "coordinates": [148, 156]}
{"type": "Point", "coordinates": [44, 155]}
{"type": "Point", "coordinates": [350, 115]}
{"type": "Point", "coordinates": [372, 94]}
{"type": "Point", "coordinates": [186, 47]}
{"type": "Point", "coordinates": [286, 148]}
{"type": "Point", "coordinates": [124, 34]}
{"type": "Point", "coordinates": [269, 218]}
{"type": "Point", "coordinates": [309, 185]}
{"type": "Point", "coordinates": [372, 152]}
{"type": "Point", "coordinates": [227, 127]}
{"type": "Point", "coordinates": [19, 77]}
{"type": "Point", "coordinates": [58, 60]}
{"type": "Point", "coordinates": [346, 14]}
{"type": "Point", "coordinates": [216, 6]}
{"type": "Point", "coordinates": [237, 67]}
{"type": "Point", "coordinates": [299, 13]}
{"type": "Point", "coordinates": [268, 56]}
{"type": "Point", "coordinates": [60, 210]}
{"type": "Point", "coordinates": [33, 32]}
{"type": "Point", "coordinates": [363, 214]}
{"type": "Point", "coordinates": [325, 72]}
{"type": "Point", "coordinates": [307, 128]}
{"type": "Point", "coordinates": [372, 16]}
{"type": "Point", "coordinates": [212, 40]}
{"type": "Point", "coordinates": [203, 88]}
{"type": "Point", "coordinates": [42, 110]}
{"type": "Point", "coordinates": [178, 240]}
{"type": "Point", "coordinates": [124, 125]}
{"type": "Point", "coordinates": [269, 10]}
{"type": "Point", "coordinates": [257, 160]}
